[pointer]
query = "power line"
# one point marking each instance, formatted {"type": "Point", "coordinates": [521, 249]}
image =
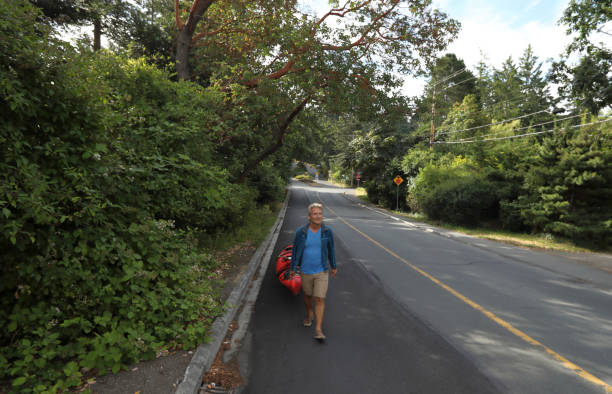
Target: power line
{"type": "Point", "coordinates": [450, 76]}
{"type": "Point", "coordinates": [494, 124]}
{"type": "Point", "coordinates": [522, 128]}
{"type": "Point", "coordinates": [520, 135]}
{"type": "Point", "coordinates": [604, 32]}
{"type": "Point", "coordinates": [432, 132]}
{"type": "Point", "coordinates": [482, 110]}
{"type": "Point", "coordinates": [458, 83]}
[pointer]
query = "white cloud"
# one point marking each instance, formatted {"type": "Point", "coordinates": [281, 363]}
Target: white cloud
{"type": "Point", "coordinates": [533, 4]}
{"type": "Point", "coordinates": [316, 7]}
{"type": "Point", "coordinates": [498, 39]}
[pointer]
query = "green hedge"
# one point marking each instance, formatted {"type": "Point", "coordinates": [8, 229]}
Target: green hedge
{"type": "Point", "coordinates": [107, 177]}
{"type": "Point", "coordinates": [456, 194]}
{"type": "Point", "coordinates": [567, 190]}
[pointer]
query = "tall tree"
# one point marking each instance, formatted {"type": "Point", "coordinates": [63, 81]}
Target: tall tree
{"type": "Point", "coordinates": [506, 88]}
{"type": "Point", "coordinates": [149, 31]}
{"type": "Point", "coordinates": [106, 16]}
{"type": "Point", "coordinates": [589, 83]}
{"type": "Point", "coordinates": [297, 60]}
{"type": "Point", "coordinates": [450, 82]}
{"type": "Point", "coordinates": [583, 18]}
{"type": "Point", "coordinates": [382, 27]}
{"type": "Point", "coordinates": [534, 89]}
{"type": "Point", "coordinates": [567, 189]}
{"type": "Point", "coordinates": [483, 83]}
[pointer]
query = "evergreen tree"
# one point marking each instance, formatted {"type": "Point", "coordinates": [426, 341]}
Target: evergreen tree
{"type": "Point", "coordinates": [505, 90]}
{"type": "Point", "coordinates": [568, 189]}
{"type": "Point", "coordinates": [109, 17]}
{"type": "Point", "coordinates": [450, 82]}
{"type": "Point", "coordinates": [483, 85]}
{"type": "Point", "coordinates": [534, 89]}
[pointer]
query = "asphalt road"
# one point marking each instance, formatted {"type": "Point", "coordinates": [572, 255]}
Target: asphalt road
{"type": "Point", "coordinates": [415, 309]}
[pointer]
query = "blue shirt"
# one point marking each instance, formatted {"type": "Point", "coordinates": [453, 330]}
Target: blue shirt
{"type": "Point", "coordinates": [328, 256]}
{"type": "Point", "coordinates": [311, 261]}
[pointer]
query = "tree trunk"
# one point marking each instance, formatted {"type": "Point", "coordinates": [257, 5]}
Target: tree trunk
{"type": "Point", "coordinates": [279, 141]}
{"type": "Point", "coordinates": [185, 36]}
{"type": "Point", "coordinates": [183, 46]}
{"type": "Point", "coordinates": [97, 32]}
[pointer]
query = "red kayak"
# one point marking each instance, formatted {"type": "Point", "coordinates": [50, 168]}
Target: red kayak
{"type": "Point", "coordinates": [283, 271]}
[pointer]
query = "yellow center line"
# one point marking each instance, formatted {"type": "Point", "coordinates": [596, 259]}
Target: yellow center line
{"type": "Point", "coordinates": [565, 362]}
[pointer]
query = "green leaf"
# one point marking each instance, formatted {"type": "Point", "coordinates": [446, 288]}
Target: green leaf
{"type": "Point", "coordinates": [71, 368]}
{"type": "Point", "coordinates": [19, 381]}
{"type": "Point", "coordinates": [6, 212]}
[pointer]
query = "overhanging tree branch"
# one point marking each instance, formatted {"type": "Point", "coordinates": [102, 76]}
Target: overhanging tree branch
{"type": "Point", "coordinates": [179, 22]}
{"type": "Point", "coordinates": [361, 40]}
{"type": "Point", "coordinates": [282, 131]}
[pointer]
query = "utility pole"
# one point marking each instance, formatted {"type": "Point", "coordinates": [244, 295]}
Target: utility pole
{"type": "Point", "coordinates": [433, 114]}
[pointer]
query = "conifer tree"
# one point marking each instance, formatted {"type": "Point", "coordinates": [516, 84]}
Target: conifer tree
{"type": "Point", "coordinates": [568, 189]}
{"type": "Point", "coordinates": [534, 89]}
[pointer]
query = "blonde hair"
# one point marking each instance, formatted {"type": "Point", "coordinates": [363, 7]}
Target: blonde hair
{"type": "Point", "coordinates": [315, 205]}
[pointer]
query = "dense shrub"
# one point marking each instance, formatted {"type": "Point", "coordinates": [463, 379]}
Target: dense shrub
{"type": "Point", "coordinates": [567, 189]}
{"type": "Point", "coordinates": [269, 182]}
{"type": "Point", "coordinates": [164, 145]}
{"type": "Point", "coordinates": [106, 172]}
{"type": "Point", "coordinates": [298, 169]}
{"type": "Point", "coordinates": [382, 190]}
{"type": "Point", "coordinates": [457, 194]}
{"type": "Point", "coordinates": [510, 216]}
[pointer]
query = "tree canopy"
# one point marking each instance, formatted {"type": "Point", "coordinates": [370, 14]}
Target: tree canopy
{"type": "Point", "coordinates": [119, 166]}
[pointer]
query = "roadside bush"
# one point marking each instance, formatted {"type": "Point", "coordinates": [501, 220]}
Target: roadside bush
{"type": "Point", "coordinates": [164, 149]}
{"type": "Point", "coordinates": [300, 168]}
{"type": "Point", "coordinates": [510, 216]}
{"type": "Point", "coordinates": [99, 306]}
{"type": "Point", "coordinates": [268, 182]}
{"type": "Point", "coordinates": [94, 182]}
{"type": "Point", "coordinates": [457, 194]}
{"type": "Point", "coordinates": [567, 189]}
{"type": "Point", "coordinates": [382, 190]}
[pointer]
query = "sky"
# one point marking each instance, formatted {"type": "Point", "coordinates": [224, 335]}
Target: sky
{"type": "Point", "coordinates": [496, 29]}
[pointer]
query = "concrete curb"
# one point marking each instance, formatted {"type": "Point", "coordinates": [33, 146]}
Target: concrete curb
{"type": "Point", "coordinates": [206, 353]}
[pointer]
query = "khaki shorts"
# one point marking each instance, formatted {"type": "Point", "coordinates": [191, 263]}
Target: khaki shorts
{"type": "Point", "coordinates": [315, 284]}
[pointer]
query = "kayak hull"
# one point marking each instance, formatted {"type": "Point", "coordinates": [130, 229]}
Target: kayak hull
{"type": "Point", "coordinates": [283, 271]}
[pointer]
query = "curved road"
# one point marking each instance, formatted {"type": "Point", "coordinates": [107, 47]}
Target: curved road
{"type": "Point", "coordinates": [415, 309]}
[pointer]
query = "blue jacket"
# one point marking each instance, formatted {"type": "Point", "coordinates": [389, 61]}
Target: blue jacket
{"type": "Point", "coordinates": [328, 254]}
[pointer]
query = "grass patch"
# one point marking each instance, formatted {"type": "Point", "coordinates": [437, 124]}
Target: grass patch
{"type": "Point", "coordinates": [304, 177]}
{"type": "Point", "coordinates": [361, 192]}
{"type": "Point", "coordinates": [339, 184]}
{"type": "Point", "coordinates": [255, 229]}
